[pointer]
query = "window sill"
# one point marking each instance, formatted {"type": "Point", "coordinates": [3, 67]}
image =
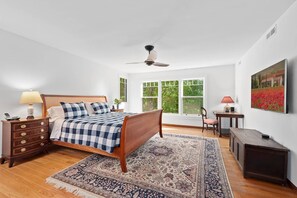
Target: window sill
{"type": "Point", "coordinates": [183, 115]}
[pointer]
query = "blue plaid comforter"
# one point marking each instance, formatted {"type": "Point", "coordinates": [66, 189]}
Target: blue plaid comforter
{"type": "Point", "coordinates": [102, 131]}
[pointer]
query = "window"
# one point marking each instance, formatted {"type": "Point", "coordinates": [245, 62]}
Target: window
{"type": "Point", "coordinates": [123, 89]}
{"type": "Point", "coordinates": [174, 96]}
{"type": "Point", "coordinates": [192, 98]}
{"type": "Point", "coordinates": [170, 96]}
{"type": "Point", "coordinates": [149, 96]}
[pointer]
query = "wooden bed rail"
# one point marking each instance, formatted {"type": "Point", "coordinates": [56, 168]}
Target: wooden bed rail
{"type": "Point", "coordinates": [136, 130]}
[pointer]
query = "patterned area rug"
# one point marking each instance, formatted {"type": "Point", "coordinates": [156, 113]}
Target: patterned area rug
{"type": "Point", "coordinates": [173, 166]}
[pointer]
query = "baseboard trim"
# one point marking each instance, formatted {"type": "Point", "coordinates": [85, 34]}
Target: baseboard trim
{"type": "Point", "coordinates": [291, 185]}
{"type": "Point", "coordinates": [179, 125]}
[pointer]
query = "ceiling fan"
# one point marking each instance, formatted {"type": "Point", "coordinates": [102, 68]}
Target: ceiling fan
{"type": "Point", "coordinates": [151, 58]}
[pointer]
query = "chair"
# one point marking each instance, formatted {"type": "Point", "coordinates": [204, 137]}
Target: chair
{"type": "Point", "coordinates": [206, 121]}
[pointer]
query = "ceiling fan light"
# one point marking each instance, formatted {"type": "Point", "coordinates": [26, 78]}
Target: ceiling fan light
{"type": "Point", "coordinates": [152, 56]}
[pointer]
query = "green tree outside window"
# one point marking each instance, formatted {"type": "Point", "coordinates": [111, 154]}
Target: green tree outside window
{"type": "Point", "coordinates": [170, 94]}
{"type": "Point", "coordinates": [192, 98]}
{"type": "Point", "coordinates": [149, 96]}
{"type": "Point", "coordinates": [123, 89]}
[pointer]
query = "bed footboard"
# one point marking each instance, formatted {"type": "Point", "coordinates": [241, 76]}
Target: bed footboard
{"type": "Point", "coordinates": [136, 130]}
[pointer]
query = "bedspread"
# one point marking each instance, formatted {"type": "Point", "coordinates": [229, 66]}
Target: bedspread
{"type": "Point", "coordinates": [102, 131]}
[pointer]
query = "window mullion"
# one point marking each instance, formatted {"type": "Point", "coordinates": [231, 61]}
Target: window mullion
{"type": "Point", "coordinates": [180, 100]}
{"type": "Point", "coordinates": [159, 94]}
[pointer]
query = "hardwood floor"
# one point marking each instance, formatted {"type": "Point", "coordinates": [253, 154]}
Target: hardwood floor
{"type": "Point", "coordinates": [27, 177]}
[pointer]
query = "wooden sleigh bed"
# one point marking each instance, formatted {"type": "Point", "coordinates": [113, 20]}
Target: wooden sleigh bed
{"type": "Point", "coordinates": [136, 129]}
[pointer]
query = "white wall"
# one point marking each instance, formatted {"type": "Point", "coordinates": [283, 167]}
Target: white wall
{"type": "Point", "coordinates": [219, 82]}
{"type": "Point", "coordinates": [27, 64]}
{"type": "Point", "coordinates": [282, 127]}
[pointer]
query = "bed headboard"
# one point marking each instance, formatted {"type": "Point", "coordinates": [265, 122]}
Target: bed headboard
{"type": "Point", "coordinates": [54, 100]}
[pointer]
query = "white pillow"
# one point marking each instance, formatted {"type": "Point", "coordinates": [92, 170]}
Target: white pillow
{"type": "Point", "coordinates": [89, 108]}
{"type": "Point", "coordinates": [55, 112]}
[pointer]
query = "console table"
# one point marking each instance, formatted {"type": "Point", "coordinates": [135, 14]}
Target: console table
{"type": "Point", "coordinates": [259, 158]}
{"type": "Point", "coordinates": [230, 115]}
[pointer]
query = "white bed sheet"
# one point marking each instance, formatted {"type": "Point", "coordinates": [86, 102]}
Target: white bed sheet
{"type": "Point", "coordinates": [55, 128]}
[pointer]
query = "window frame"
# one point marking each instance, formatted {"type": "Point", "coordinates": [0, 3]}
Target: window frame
{"type": "Point", "coordinates": [158, 98]}
{"type": "Point", "coordinates": [182, 94]}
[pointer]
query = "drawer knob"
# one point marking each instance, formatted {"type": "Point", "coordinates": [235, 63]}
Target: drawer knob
{"type": "Point", "coordinates": [42, 137]}
{"type": "Point", "coordinates": [23, 126]}
{"type": "Point", "coordinates": [23, 141]}
{"type": "Point", "coordinates": [41, 144]}
{"type": "Point", "coordinates": [23, 134]}
{"type": "Point", "coordinates": [42, 123]}
{"type": "Point", "coordinates": [42, 130]}
{"type": "Point", "coordinates": [23, 149]}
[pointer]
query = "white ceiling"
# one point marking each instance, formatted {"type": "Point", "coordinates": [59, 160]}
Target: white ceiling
{"type": "Point", "coordinates": [186, 34]}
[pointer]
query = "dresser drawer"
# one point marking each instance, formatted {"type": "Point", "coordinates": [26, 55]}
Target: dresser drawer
{"type": "Point", "coordinates": [29, 148]}
{"type": "Point", "coordinates": [28, 140]}
{"type": "Point", "coordinates": [29, 133]}
{"type": "Point", "coordinates": [28, 125]}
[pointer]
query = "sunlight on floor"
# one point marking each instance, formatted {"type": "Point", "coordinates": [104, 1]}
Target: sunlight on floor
{"type": "Point", "coordinates": [169, 129]}
{"type": "Point", "coordinates": [189, 130]}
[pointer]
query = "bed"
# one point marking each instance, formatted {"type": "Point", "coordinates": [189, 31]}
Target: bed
{"type": "Point", "coordinates": [136, 129]}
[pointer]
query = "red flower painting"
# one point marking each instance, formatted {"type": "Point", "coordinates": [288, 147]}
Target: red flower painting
{"type": "Point", "coordinates": [269, 88]}
{"type": "Point", "coordinates": [268, 99]}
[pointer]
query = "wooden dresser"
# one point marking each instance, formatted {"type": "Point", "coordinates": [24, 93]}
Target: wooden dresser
{"type": "Point", "coordinates": [259, 158]}
{"type": "Point", "coordinates": [24, 138]}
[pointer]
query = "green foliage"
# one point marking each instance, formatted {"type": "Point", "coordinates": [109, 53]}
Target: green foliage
{"type": "Point", "coordinates": [170, 96]}
{"type": "Point", "coordinates": [194, 88]}
{"type": "Point", "coordinates": [123, 89]}
{"type": "Point", "coordinates": [149, 104]}
{"type": "Point", "coordinates": [150, 96]}
{"type": "Point", "coordinates": [150, 89]}
{"type": "Point", "coordinates": [117, 101]}
{"type": "Point", "coordinates": [192, 98]}
{"type": "Point", "coordinates": [192, 105]}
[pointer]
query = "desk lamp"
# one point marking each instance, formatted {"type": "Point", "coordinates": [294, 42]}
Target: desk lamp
{"type": "Point", "coordinates": [227, 100]}
{"type": "Point", "coordinates": [30, 98]}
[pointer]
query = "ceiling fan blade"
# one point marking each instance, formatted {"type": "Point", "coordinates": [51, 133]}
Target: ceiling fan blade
{"type": "Point", "coordinates": [135, 62]}
{"type": "Point", "coordinates": [160, 64]}
{"type": "Point", "coordinates": [152, 56]}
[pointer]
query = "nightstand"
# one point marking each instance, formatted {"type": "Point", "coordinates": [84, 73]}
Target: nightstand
{"type": "Point", "coordinates": [117, 110]}
{"type": "Point", "coordinates": [24, 138]}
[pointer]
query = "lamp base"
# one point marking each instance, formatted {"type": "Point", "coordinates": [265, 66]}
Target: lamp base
{"type": "Point", "coordinates": [227, 108]}
{"type": "Point", "coordinates": [30, 112]}
{"type": "Point", "coordinates": [30, 117]}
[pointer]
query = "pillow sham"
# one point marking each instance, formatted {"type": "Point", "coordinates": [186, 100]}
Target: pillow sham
{"type": "Point", "coordinates": [74, 110]}
{"type": "Point", "coordinates": [55, 112]}
{"type": "Point", "coordinates": [100, 107]}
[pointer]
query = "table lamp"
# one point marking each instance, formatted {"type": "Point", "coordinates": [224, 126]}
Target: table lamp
{"type": "Point", "coordinates": [227, 100]}
{"type": "Point", "coordinates": [30, 98]}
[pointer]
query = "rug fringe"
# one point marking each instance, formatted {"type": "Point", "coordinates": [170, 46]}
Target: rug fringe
{"type": "Point", "coordinates": [70, 188]}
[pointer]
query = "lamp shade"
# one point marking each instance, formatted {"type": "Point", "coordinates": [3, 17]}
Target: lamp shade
{"type": "Point", "coordinates": [227, 99]}
{"type": "Point", "coordinates": [30, 97]}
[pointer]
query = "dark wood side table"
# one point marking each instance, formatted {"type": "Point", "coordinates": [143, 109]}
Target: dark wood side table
{"type": "Point", "coordinates": [24, 138]}
{"type": "Point", "coordinates": [259, 158]}
{"type": "Point", "coordinates": [117, 110]}
{"type": "Point", "coordinates": [230, 115]}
